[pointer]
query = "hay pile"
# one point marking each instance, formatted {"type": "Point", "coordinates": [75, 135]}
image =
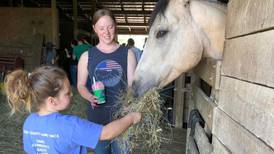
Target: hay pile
{"type": "Point", "coordinates": [152, 131]}
{"type": "Point", "coordinates": [11, 127]}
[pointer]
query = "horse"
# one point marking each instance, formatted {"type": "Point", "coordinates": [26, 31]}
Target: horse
{"type": "Point", "coordinates": [181, 33]}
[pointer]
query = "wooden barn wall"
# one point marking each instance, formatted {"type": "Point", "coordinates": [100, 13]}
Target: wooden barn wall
{"type": "Point", "coordinates": [252, 58]}
{"type": "Point", "coordinates": [243, 120]}
{"type": "Point", "coordinates": [250, 105]}
{"type": "Point", "coordinates": [208, 71]}
{"type": "Point", "coordinates": [22, 32]}
{"type": "Point", "coordinates": [249, 16]}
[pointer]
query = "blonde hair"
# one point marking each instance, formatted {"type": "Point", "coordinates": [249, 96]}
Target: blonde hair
{"type": "Point", "coordinates": [29, 91]}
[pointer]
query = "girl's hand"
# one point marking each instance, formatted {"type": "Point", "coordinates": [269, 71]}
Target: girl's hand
{"type": "Point", "coordinates": [126, 108]}
{"type": "Point", "coordinates": [136, 116]}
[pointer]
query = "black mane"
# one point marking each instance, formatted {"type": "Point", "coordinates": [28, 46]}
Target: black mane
{"type": "Point", "coordinates": [159, 8]}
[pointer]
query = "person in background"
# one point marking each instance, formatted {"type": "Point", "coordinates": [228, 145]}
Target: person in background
{"type": "Point", "coordinates": [63, 59]}
{"type": "Point", "coordinates": [72, 63]}
{"type": "Point", "coordinates": [80, 48]}
{"type": "Point", "coordinates": [114, 66]}
{"type": "Point", "coordinates": [137, 52]}
{"type": "Point", "coordinates": [47, 91]}
{"type": "Point", "coordinates": [50, 54]}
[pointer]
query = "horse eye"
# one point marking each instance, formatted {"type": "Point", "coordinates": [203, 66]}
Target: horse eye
{"type": "Point", "coordinates": [161, 33]}
{"type": "Point", "coordinates": [187, 3]}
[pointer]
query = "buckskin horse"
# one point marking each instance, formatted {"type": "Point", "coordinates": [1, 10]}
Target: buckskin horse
{"type": "Point", "coordinates": [181, 33]}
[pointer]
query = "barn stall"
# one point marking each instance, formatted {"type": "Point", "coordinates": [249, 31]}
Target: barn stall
{"type": "Point", "coordinates": [229, 104]}
{"type": "Point", "coordinates": [27, 25]}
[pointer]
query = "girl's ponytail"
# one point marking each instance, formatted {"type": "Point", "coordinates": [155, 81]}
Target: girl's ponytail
{"type": "Point", "coordinates": [18, 91]}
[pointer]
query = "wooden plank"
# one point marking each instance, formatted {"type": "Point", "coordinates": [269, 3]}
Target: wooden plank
{"type": "Point", "coordinates": [55, 24]}
{"type": "Point", "coordinates": [201, 140]}
{"type": "Point", "coordinates": [188, 105]}
{"type": "Point", "coordinates": [235, 137]}
{"type": "Point", "coordinates": [251, 105]}
{"type": "Point", "coordinates": [178, 106]}
{"type": "Point", "coordinates": [218, 147]}
{"type": "Point", "coordinates": [189, 139]}
{"type": "Point", "coordinates": [205, 106]}
{"type": "Point", "coordinates": [249, 16]}
{"type": "Point", "coordinates": [251, 58]}
{"type": "Point", "coordinates": [75, 19]}
{"type": "Point", "coordinates": [218, 75]}
{"type": "Point", "coordinates": [206, 70]}
{"type": "Point", "coordinates": [191, 147]}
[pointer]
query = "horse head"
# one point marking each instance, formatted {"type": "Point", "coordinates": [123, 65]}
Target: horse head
{"type": "Point", "coordinates": [181, 33]}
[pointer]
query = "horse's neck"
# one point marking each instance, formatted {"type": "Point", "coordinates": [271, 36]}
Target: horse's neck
{"type": "Point", "coordinates": [210, 16]}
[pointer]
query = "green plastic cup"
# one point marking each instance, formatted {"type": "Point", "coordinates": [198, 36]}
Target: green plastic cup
{"type": "Point", "coordinates": [100, 94]}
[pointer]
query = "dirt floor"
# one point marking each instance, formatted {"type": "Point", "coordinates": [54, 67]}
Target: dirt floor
{"type": "Point", "coordinates": [177, 145]}
{"type": "Point", "coordinates": [11, 130]}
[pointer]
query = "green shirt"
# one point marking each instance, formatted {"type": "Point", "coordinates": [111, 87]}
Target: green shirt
{"type": "Point", "coordinates": [80, 49]}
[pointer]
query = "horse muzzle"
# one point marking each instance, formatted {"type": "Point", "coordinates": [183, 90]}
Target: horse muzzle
{"type": "Point", "coordinates": [139, 87]}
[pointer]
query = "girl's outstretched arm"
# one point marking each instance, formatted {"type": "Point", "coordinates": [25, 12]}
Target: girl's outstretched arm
{"type": "Point", "coordinates": [117, 127]}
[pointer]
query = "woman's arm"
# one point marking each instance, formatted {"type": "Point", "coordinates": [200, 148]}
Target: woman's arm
{"type": "Point", "coordinates": [131, 66]}
{"type": "Point", "coordinates": [67, 53]}
{"type": "Point", "coordinates": [82, 77]}
{"type": "Point", "coordinates": [117, 127]}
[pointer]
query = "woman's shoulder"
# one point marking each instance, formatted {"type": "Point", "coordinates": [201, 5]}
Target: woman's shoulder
{"type": "Point", "coordinates": [84, 56]}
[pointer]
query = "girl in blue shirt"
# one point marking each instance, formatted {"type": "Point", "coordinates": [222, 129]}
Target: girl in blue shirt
{"type": "Point", "coordinates": [47, 91]}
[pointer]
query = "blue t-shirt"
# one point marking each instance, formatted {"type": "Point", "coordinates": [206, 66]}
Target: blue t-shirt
{"type": "Point", "coordinates": [59, 134]}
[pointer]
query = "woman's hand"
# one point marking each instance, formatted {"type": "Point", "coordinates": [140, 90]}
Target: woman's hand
{"type": "Point", "coordinates": [93, 101]}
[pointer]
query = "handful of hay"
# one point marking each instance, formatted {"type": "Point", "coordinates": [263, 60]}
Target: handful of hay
{"type": "Point", "coordinates": [151, 131]}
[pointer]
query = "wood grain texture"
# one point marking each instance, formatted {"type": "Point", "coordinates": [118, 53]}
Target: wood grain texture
{"type": "Point", "coordinates": [249, 16]}
{"type": "Point", "coordinates": [250, 58]}
{"type": "Point", "coordinates": [235, 137]}
{"type": "Point", "coordinates": [250, 105]}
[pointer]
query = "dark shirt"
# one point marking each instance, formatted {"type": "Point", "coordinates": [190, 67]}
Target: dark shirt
{"type": "Point", "coordinates": [111, 69]}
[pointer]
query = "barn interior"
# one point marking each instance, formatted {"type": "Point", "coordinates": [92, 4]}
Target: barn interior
{"type": "Point", "coordinates": [27, 26]}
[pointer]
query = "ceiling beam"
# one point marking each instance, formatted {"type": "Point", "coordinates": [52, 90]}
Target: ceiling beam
{"type": "Point", "coordinates": [132, 32]}
{"type": "Point", "coordinates": [132, 24]}
{"type": "Point", "coordinates": [124, 12]}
